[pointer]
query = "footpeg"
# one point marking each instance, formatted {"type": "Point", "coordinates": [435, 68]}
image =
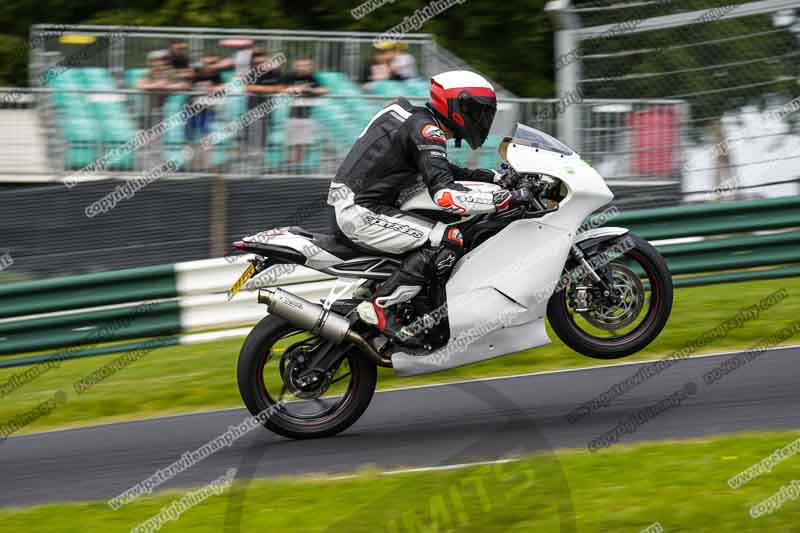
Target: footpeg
{"type": "Point", "coordinates": [379, 343]}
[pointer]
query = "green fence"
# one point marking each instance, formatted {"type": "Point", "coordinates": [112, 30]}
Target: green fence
{"type": "Point", "coordinates": [727, 244]}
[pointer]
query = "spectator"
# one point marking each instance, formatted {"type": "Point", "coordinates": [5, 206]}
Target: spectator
{"type": "Point", "coordinates": [263, 87]}
{"type": "Point", "coordinates": [301, 127]}
{"type": "Point", "coordinates": [157, 75]}
{"type": "Point", "coordinates": [207, 79]}
{"type": "Point", "coordinates": [242, 60]}
{"type": "Point", "coordinates": [179, 60]}
{"type": "Point", "coordinates": [269, 82]}
{"type": "Point", "coordinates": [378, 67]}
{"type": "Point", "coordinates": [403, 66]}
{"type": "Point", "coordinates": [159, 79]}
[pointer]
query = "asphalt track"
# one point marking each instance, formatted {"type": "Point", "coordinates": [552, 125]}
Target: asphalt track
{"type": "Point", "coordinates": [417, 427]}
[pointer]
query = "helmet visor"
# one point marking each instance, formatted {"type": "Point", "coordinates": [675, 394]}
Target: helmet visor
{"type": "Point", "coordinates": [478, 113]}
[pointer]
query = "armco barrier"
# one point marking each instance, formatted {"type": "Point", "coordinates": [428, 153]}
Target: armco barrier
{"type": "Point", "coordinates": [78, 313]}
{"type": "Point", "coordinates": [724, 239]}
{"type": "Point", "coordinates": [91, 311]}
{"type": "Point", "coordinates": [92, 290]}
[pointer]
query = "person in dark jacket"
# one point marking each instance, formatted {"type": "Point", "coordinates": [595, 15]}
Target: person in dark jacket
{"type": "Point", "coordinates": [402, 147]}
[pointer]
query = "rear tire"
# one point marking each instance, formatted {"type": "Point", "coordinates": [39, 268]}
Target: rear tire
{"type": "Point", "coordinates": [660, 280]}
{"type": "Point", "coordinates": [252, 358]}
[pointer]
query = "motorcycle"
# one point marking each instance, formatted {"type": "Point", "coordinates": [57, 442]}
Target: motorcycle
{"type": "Point", "coordinates": [607, 293]}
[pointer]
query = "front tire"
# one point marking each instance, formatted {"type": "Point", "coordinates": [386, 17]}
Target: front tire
{"type": "Point", "coordinates": [570, 327]}
{"type": "Point", "coordinates": [254, 356]}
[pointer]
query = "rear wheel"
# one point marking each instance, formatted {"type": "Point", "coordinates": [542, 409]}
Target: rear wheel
{"type": "Point", "coordinates": [274, 378]}
{"type": "Point", "coordinates": [628, 318]}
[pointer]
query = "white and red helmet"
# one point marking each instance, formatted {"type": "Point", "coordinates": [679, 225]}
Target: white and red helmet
{"type": "Point", "coordinates": [466, 103]}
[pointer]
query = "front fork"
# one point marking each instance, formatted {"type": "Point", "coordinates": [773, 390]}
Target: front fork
{"type": "Point", "coordinates": [580, 296]}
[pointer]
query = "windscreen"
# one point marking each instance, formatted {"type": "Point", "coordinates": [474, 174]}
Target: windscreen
{"type": "Point", "coordinates": [528, 136]}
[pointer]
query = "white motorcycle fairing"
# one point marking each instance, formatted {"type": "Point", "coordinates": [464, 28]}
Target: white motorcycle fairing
{"type": "Point", "coordinates": [497, 294]}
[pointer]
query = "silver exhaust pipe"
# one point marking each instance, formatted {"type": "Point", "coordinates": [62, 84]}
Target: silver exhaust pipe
{"type": "Point", "coordinates": [314, 318]}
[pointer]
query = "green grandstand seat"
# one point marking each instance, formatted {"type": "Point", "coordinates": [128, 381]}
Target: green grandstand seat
{"type": "Point", "coordinates": [312, 158]}
{"type": "Point", "coordinates": [174, 139]}
{"type": "Point", "coordinates": [459, 156]}
{"type": "Point", "coordinates": [115, 134]}
{"type": "Point", "coordinates": [232, 108]}
{"type": "Point", "coordinates": [336, 122]}
{"type": "Point", "coordinates": [276, 154]}
{"type": "Point", "coordinates": [97, 78]}
{"type": "Point", "coordinates": [81, 140]}
{"type": "Point", "coordinates": [488, 157]}
{"type": "Point", "coordinates": [132, 76]}
{"type": "Point", "coordinates": [416, 87]}
{"type": "Point", "coordinates": [344, 118]}
{"type": "Point", "coordinates": [221, 151]}
{"type": "Point", "coordinates": [111, 112]}
{"type": "Point", "coordinates": [337, 82]}
{"type": "Point", "coordinates": [387, 88]}
{"type": "Point", "coordinates": [74, 116]}
{"type": "Point", "coordinates": [139, 101]}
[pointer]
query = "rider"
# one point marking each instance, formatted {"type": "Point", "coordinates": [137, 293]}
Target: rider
{"type": "Point", "coordinates": [405, 147]}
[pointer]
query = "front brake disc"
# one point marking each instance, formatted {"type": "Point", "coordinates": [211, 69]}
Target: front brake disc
{"type": "Point", "coordinates": [628, 292]}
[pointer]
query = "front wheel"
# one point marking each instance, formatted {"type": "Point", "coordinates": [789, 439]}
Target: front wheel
{"type": "Point", "coordinates": [276, 384]}
{"type": "Point", "coordinates": [609, 324]}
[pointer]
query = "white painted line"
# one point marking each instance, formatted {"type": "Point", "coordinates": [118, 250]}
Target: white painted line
{"type": "Point", "coordinates": [448, 467]}
{"type": "Point", "coordinates": [420, 469]}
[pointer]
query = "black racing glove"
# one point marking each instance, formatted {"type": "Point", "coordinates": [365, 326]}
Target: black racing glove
{"type": "Point", "coordinates": [509, 180]}
{"type": "Point", "coordinates": [507, 177]}
{"type": "Point", "coordinates": [504, 199]}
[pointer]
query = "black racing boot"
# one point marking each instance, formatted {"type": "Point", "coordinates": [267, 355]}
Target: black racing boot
{"type": "Point", "coordinates": [382, 311]}
{"type": "Point", "coordinates": [391, 325]}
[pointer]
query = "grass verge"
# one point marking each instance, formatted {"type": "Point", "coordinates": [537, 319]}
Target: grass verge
{"type": "Point", "coordinates": [203, 376]}
{"type": "Point", "coordinates": [682, 486]}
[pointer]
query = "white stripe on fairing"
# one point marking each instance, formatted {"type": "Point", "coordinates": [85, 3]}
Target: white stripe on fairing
{"type": "Point", "coordinates": [394, 107]}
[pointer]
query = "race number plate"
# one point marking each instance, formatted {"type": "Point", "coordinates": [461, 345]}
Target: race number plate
{"type": "Point", "coordinates": [248, 273]}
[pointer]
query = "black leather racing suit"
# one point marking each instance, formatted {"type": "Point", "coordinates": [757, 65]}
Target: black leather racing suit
{"type": "Point", "coordinates": [401, 148]}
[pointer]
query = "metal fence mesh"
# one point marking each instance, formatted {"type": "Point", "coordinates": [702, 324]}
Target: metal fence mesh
{"type": "Point", "coordinates": [63, 132]}
{"type": "Point", "coordinates": [729, 71]}
{"type": "Point", "coordinates": [668, 110]}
